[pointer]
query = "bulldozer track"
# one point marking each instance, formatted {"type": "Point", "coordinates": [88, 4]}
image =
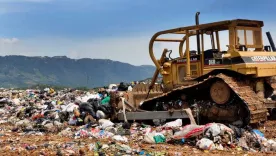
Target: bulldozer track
{"type": "Point", "coordinates": [256, 105]}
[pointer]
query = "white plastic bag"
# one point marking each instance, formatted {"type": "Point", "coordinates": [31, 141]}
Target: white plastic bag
{"type": "Point", "coordinates": [206, 144]}
{"type": "Point", "coordinates": [120, 138]}
{"type": "Point", "coordinates": [148, 138]}
{"type": "Point", "coordinates": [104, 123]}
{"type": "Point", "coordinates": [176, 123]}
{"type": "Point", "coordinates": [100, 114]}
{"type": "Point", "coordinates": [70, 107]}
{"type": "Point", "coordinates": [213, 130]}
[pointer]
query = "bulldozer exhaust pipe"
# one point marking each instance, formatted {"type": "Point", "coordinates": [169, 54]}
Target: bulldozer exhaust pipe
{"type": "Point", "coordinates": [197, 33]}
{"type": "Point", "coordinates": [271, 41]}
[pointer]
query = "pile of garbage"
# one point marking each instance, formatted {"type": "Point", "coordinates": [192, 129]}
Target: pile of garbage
{"type": "Point", "coordinates": [81, 115]}
{"type": "Point", "coordinates": [212, 136]}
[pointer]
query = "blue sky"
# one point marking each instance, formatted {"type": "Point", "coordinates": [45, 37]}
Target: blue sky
{"type": "Point", "coordinates": [111, 29]}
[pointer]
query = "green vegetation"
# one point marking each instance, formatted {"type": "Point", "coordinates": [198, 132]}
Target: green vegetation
{"type": "Point", "coordinates": [22, 72]}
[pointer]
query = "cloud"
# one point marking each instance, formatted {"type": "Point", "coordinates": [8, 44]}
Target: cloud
{"type": "Point", "coordinates": [9, 40]}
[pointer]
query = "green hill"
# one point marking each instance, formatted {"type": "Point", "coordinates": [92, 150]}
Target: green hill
{"type": "Point", "coordinates": [22, 71]}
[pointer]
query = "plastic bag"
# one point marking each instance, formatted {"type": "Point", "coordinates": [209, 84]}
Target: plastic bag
{"type": "Point", "coordinates": [189, 131]}
{"type": "Point", "coordinates": [148, 138]}
{"type": "Point", "coordinates": [70, 107]}
{"type": "Point", "coordinates": [258, 133]}
{"type": "Point", "coordinates": [176, 123]}
{"type": "Point", "coordinates": [217, 129]}
{"type": "Point", "coordinates": [100, 114]}
{"type": "Point", "coordinates": [213, 130]}
{"type": "Point", "coordinates": [120, 138]}
{"type": "Point", "coordinates": [105, 123]}
{"type": "Point", "coordinates": [159, 138]}
{"type": "Point", "coordinates": [224, 129]}
{"type": "Point", "coordinates": [206, 144]}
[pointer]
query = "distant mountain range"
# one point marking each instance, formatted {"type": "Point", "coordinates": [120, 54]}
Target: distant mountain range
{"type": "Point", "coordinates": [23, 71]}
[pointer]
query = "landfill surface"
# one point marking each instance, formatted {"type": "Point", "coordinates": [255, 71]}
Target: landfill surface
{"type": "Point", "coordinates": [50, 122]}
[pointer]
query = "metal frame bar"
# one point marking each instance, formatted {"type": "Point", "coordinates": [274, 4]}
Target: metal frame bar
{"type": "Point", "coordinates": [188, 67]}
{"type": "Point", "coordinates": [153, 115]}
{"type": "Point", "coordinates": [217, 39]}
{"type": "Point", "coordinates": [202, 53]}
{"type": "Point", "coordinates": [213, 40]}
{"type": "Point", "coordinates": [168, 40]}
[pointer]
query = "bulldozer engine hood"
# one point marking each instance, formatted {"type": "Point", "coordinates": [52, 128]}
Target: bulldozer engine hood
{"type": "Point", "coordinates": [253, 59]}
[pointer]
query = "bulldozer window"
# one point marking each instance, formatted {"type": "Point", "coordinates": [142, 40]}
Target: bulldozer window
{"type": "Point", "coordinates": [224, 40]}
{"type": "Point", "coordinates": [257, 37]}
{"type": "Point", "coordinates": [248, 36]}
{"type": "Point", "coordinates": [240, 37]}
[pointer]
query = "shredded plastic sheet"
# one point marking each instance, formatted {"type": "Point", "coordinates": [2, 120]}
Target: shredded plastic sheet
{"type": "Point", "coordinates": [189, 131]}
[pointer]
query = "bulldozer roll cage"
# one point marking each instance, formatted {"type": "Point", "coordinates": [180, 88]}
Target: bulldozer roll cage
{"type": "Point", "coordinates": [200, 29]}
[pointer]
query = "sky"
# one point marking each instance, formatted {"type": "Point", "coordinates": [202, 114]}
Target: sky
{"type": "Point", "coordinates": [113, 29]}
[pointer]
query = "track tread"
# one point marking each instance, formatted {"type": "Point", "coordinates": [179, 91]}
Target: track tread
{"type": "Point", "coordinates": [256, 105]}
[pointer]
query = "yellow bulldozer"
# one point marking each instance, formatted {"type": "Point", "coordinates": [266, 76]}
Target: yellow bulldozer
{"type": "Point", "coordinates": [232, 85]}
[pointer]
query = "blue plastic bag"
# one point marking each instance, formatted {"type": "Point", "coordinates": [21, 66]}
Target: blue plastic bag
{"type": "Point", "coordinates": [258, 133]}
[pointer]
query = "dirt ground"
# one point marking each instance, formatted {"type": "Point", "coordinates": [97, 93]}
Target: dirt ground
{"type": "Point", "coordinates": [13, 143]}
